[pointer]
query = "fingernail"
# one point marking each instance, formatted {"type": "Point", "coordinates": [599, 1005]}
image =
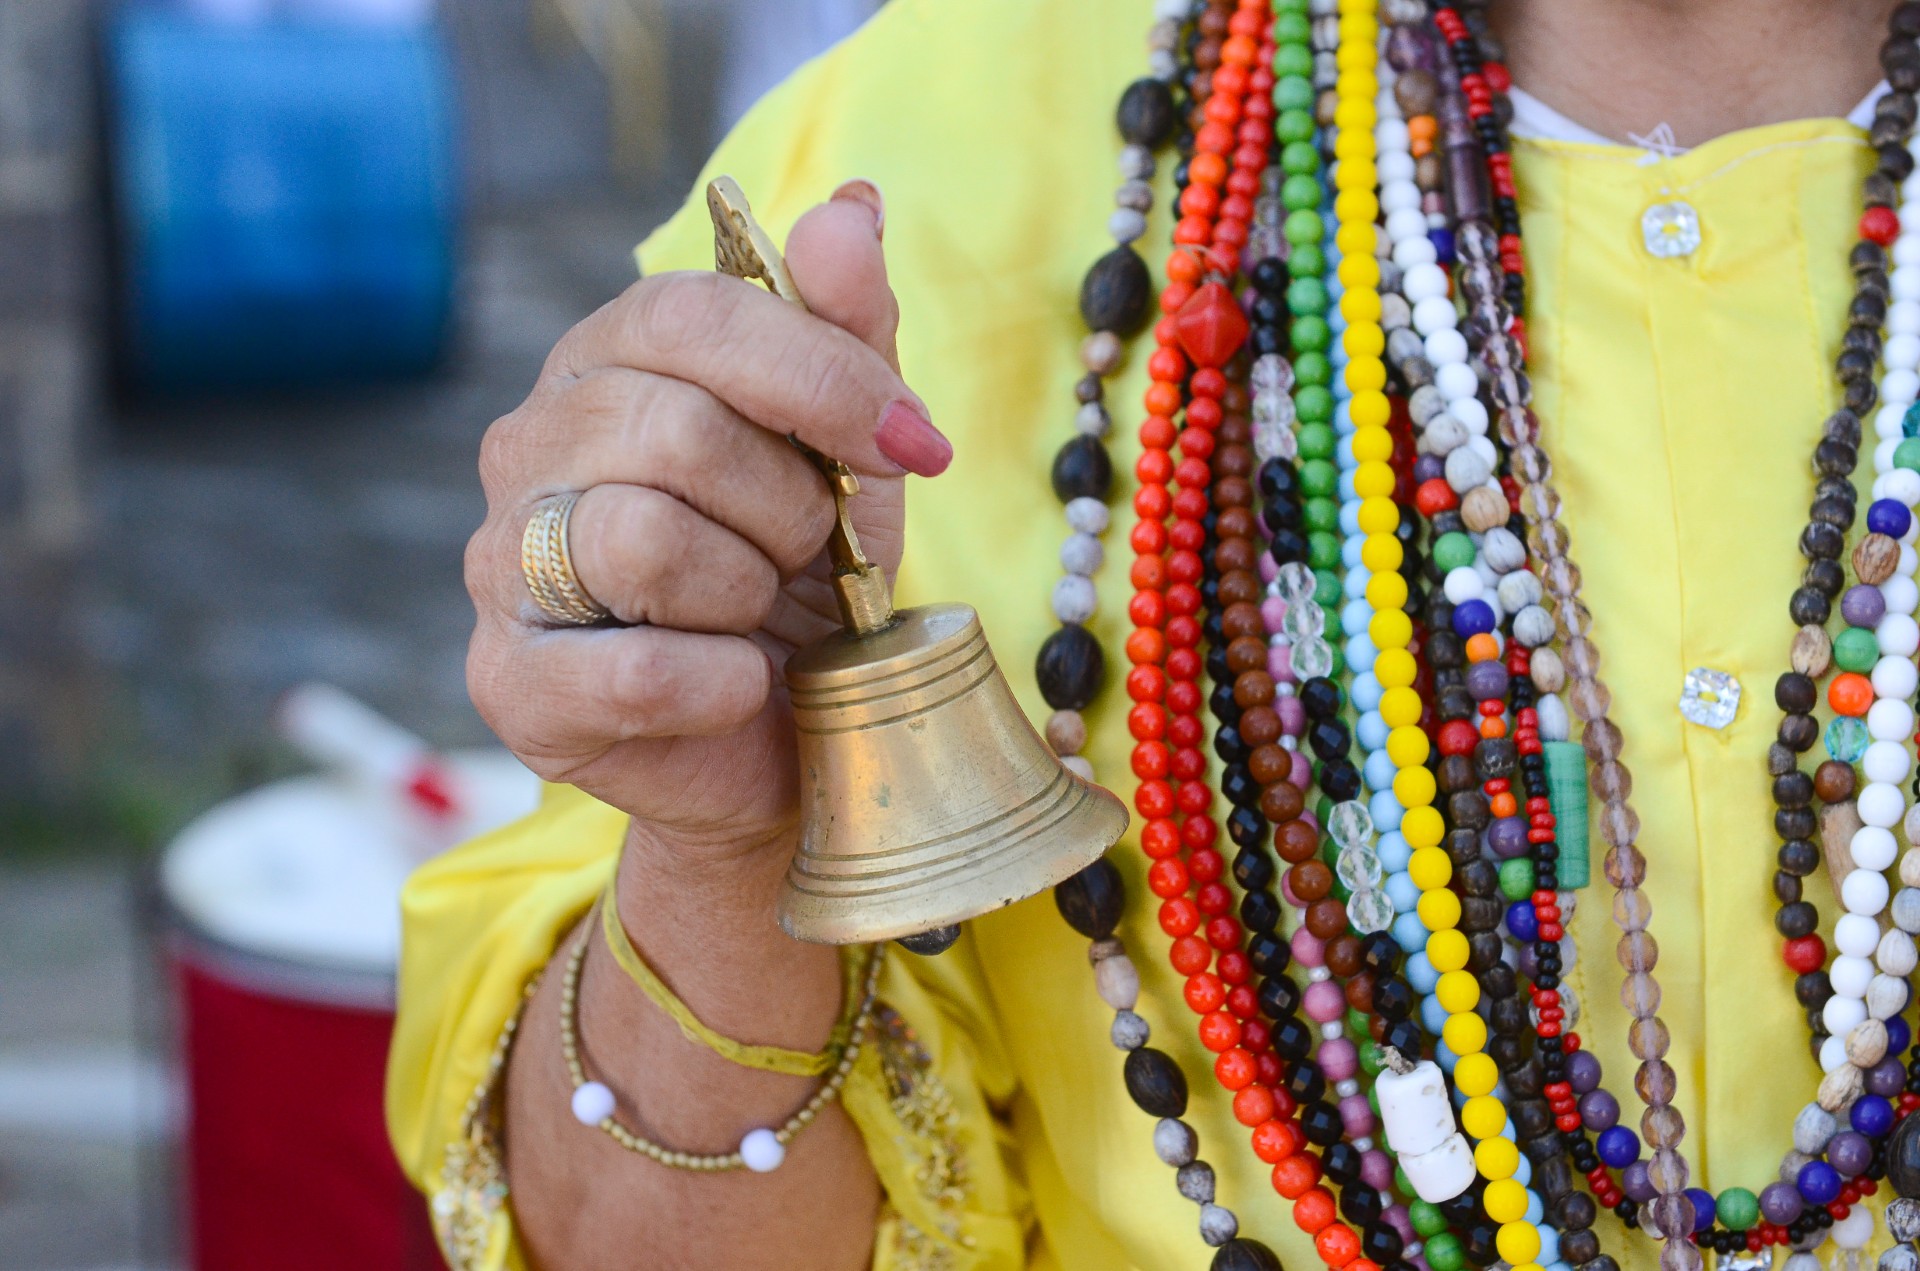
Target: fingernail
{"type": "Point", "coordinates": [906, 437]}
{"type": "Point", "coordinates": [867, 194]}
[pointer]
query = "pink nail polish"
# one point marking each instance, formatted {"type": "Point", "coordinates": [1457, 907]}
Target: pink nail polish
{"type": "Point", "coordinates": [868, 195]}
{"type": "Point", "coordinates": [906, 437]}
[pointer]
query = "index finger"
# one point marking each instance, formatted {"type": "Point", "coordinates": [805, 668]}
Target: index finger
{"type": "Point", "coordinates": [773, 362]}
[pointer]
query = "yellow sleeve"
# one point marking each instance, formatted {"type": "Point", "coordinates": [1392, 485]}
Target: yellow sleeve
{"type": "Point", "coordinates": [482, 921]}
{"type": "Point", "coordinates": [973, 118]}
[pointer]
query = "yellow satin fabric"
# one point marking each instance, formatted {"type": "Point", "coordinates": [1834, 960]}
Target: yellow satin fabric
{"type": "Point", "coordinates": [1680, 399]}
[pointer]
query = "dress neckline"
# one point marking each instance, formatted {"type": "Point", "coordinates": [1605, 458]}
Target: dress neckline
{"type": "Point", "coordinates": [1534, 120]}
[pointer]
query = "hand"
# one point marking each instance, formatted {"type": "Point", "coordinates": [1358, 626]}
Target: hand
{"type": "Point", "coordinates": [700, 526]}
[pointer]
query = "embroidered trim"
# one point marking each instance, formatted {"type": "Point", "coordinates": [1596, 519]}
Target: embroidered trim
{"type": "Point", "coordinates": [473, 1177]}
{"type": "Point", "coordinates": [923, 1106]}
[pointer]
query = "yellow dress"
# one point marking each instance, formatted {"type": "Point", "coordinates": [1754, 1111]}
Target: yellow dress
{"type": "Point", "coordinates": [1681, 398]}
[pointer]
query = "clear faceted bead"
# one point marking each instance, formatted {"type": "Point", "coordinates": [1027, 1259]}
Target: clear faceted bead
{"type": "Point", "coordinates": [1370, 911]}
{"type": "Point", "coordinates": [1304, 621]}
{"type": "Point", "coordinates": [1275, 407]}
{"type": "Point", "coordinates": [1271, 374]}
{"type": "Point", "coordinates": [1350, 824]}
{"type": "Point", "coordinates": [1272, 440]}
{"type": "Point", "coordinates": [1359, 870]}
{"type": "Point", "coordinates": [1312, 656]}
{"type": "Point", "coordinates": [1709, 698]}
{"type": "Point", "coordinates": [1296, 582]}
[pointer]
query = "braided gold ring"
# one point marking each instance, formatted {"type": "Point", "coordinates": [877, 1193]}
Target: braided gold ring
{"type": "Point", "coordinates": [547, 563]}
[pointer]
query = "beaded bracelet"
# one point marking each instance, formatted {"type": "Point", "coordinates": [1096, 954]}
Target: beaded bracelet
{"type": "Point", "coordinates": [761, 1150]}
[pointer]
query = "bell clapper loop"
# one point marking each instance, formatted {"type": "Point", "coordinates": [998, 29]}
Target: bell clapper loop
{"type": "Point", "coordinates": [743, 249]}
{"type": "Point", "coordinates": [866, 603]}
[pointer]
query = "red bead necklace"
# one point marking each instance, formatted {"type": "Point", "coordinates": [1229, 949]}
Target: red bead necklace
{"type": "Point", "coordinates": [1201, 329]}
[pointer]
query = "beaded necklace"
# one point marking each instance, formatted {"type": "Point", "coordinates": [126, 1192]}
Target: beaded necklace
{"type": "Point", "coordinates": [1492, 281]}
{"type": "Point", "coordinates": [1656, 1035]}
{"type": "Point", "coordinates": [1093, 900]}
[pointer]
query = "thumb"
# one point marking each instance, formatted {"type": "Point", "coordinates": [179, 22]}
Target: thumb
{"type": "Point", "coordinates": [837, 263]}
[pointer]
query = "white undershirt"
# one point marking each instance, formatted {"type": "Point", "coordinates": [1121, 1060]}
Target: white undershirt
{"type": "Point", "coordinates": [1535, 119]}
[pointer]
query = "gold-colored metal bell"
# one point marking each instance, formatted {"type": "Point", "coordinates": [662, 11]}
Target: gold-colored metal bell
{"type": "Point", "coordinates": [926, 796]}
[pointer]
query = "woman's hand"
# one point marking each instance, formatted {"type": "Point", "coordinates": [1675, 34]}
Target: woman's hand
{"type": "Point", "coordinates": [702, 529]}
{"type": "Point", "coordinates": [700, 526]}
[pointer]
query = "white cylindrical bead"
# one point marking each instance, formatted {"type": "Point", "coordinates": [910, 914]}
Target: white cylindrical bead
{"type": "Point", "coordinates": [1414, 1108]}
{"type": "Point", "coordinates": [1442, 1172]}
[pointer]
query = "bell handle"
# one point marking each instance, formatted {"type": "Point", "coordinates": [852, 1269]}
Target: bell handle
{"type": "Point", "coordinates": [742, 248]}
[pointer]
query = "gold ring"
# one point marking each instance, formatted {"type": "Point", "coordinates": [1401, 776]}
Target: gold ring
{"type": "Point", "coordinates": [548, 566]}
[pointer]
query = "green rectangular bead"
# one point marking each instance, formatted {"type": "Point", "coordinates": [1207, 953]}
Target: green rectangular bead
{"type": "Point", "coordinates": [1567, 792]}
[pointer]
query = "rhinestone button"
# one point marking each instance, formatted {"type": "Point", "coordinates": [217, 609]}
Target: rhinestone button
{"type": "Point", "coordinates": [1709, 697]}
{"type": "Point", "coordinates": [1670, 229]}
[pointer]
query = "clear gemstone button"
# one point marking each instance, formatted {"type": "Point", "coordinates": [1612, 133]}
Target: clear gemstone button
{"type": "Point", "coordinates": [1670, 229]}
{"type": "Point", "coordinates": [1709, 698]}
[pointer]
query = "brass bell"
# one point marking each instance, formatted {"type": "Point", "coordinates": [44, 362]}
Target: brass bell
{"type": "Point", "coordinates": [926, 796]}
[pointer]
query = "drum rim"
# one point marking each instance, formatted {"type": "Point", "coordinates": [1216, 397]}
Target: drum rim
{"type": "Point", "coordinates": [317, 982]}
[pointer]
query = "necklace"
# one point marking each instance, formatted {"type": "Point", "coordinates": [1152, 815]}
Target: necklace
{"type": "Point", "coordinates": [1455, 926]}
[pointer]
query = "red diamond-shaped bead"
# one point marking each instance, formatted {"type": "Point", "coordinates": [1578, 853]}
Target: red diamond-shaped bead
{"type": "Point", "coordinates": [1210, 326]}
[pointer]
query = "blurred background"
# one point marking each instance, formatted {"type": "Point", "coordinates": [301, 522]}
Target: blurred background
{"type": "Point", "coordinates": [268, 268]}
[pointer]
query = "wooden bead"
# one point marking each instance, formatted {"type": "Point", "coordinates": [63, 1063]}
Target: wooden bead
{"type": "Point", "coordinates": [1067, 732]}
{"type": "Point", "coordinates": [1812, 651]}
{"type": "Point", "coordinates": [1082, 469]}
{"type": "Point", "coordinates": [1867, 1043]}
{"type": "Point", "coordinates": [1270, 764]}
{"type": "Point", "coordinates": [1482, 509]}
{"type": "Point", "coordinates": [1249, 653]}
{"type": "Point", "coordinates": [1296, 841]}
{"type": "Point", "coordinates": [1903, 1157]}
{"type": "Point", "coordinates": [1146, 114]}
{"type": "Point", "coordinates": [1100, 352]}
{"type": "Point", "coordinates": [1875, 558]}
{"type": "Point", "coordinates": [1070, 668]}
{"type": "Point", "coordinates": [1548, 672]}
{"type": "Point", "coordinates": [1155, 1083]}
{"type": "Point", "coordinates": [1417, 92]}
{"type": "Point", "coordinates": [1833, 781]}
{"type": "Point", "coordinates": [1092, 900]}
{"type": "Point", "coordinates": [1838, 824]}
{"type": "Point", "coordinates": [1310, 880]}
{"type": "Point", "coordinates": [1326, 918]}
{"type": "Point", "coordinates": [1840, 1088]}
{"type": "Point", "coordinates": [1116, 293]}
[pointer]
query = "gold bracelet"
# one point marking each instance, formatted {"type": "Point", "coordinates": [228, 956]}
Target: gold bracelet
{"type": "Point", "coordinates": [761, 1150]}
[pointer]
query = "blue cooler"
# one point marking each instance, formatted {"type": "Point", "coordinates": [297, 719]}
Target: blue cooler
{"type": "Point", "coordinates": [285, 200]}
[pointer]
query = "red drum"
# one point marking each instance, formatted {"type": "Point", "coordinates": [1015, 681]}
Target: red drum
{"type": "Point", "coordinates": [285, 933]}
